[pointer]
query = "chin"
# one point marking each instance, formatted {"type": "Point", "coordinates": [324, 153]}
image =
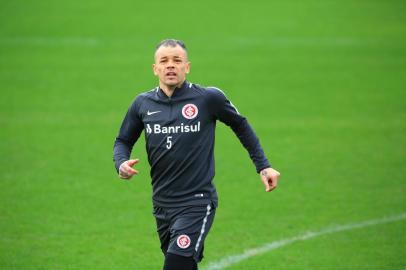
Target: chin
{"type": "Point", "coordinates": [172, 83]}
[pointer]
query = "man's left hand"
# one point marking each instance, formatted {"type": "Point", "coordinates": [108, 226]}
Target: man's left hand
{"type": "Point", "coordinates": [269, 178]}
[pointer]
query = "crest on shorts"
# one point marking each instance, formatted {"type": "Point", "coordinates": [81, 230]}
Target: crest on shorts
{"type": "Point", "coordinates": [183, 241]}
{"type": "Point", "coordinates": [190, 111]}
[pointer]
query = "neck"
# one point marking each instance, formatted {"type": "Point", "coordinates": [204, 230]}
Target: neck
{"type": "Point", "coordinates": [169, 89]}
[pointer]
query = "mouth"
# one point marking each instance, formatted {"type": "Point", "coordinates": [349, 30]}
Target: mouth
{"type": "Point", "coordinates": [170, 74]}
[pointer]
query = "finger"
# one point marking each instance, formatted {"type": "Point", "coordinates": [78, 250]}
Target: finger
{"type": "Point", "coordinates": [123, 175]}
{"type": "Point", "coordinates": [131, 162]}
{"type": "Point", "coordinates": [266, 183]}
{"type": "Point", "coordinates": [126, 172]}
{"type": "Point", "coordinates": [130, 170]}
{"type": "Point", "coordinates": [274, 183]}
{"type": "Point", "coordinates": [126, 166]}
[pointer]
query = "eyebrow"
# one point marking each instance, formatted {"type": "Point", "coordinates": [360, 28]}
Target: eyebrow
{"type": "Point", "coordinates": [176, 56]}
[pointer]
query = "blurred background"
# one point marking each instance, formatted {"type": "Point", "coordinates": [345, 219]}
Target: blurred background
{"type": "Point", "coordinates": [321, 82]}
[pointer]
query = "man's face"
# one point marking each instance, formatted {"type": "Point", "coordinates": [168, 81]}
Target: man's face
{"type": "Point", "coordinates": [171, 65]}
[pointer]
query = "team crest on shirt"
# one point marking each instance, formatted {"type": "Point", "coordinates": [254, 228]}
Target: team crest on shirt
{"type": "Point", "coordinates": [183, 241]}
{"type": "Point", "coordinates": [190, 111]}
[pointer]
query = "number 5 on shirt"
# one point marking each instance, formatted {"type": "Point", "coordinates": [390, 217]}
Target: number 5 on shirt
{"type": "Point", "coordinates": [169, 142]}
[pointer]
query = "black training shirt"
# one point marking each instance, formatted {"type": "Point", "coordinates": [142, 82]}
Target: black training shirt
{"type": "Point", "coordinates": [179, 134]}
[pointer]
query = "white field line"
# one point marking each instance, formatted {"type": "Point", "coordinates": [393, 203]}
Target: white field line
{"type": "Point", "coordinates": [234, 259]}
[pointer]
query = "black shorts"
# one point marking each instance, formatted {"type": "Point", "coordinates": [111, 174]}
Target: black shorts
{"type": "Point", "coordinates": [182, 230]}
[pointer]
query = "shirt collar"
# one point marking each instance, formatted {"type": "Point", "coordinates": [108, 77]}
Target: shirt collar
{"type": "Point", "coordinates": [179, 91]}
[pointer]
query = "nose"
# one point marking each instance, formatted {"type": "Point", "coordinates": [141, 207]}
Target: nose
{"type": "Point", "coordinates": [170, 64]}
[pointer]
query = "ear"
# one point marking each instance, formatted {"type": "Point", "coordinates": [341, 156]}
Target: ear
{"type": "Point", "coordinates": [187, 67]}
{"type": "Point", "coordinates": [154, 69]}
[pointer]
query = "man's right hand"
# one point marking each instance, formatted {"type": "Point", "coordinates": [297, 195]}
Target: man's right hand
{"type": "Point", "coordinates": [126, 171]}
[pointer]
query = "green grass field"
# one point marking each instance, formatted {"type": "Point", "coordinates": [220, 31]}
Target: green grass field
{"type": "Point", "coordinates": [323, 83]}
